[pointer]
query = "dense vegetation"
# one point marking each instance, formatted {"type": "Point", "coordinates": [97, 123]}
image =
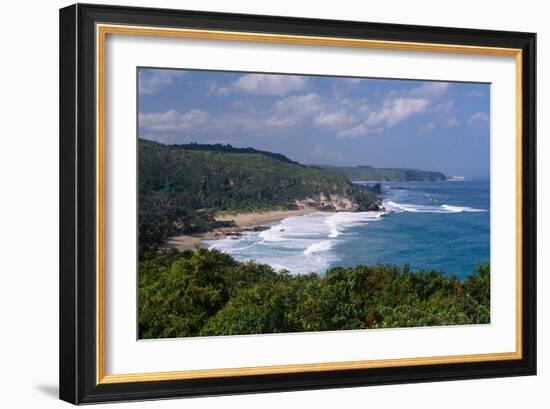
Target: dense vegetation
{"type": "Point", "coordinates": [205, 292]}
{"type": "Point", "coordinates": [181, 187]}
{"type": "Point", "coordinates": [364, 173]}
{"type": "Point", "coordinates": [218, 147]}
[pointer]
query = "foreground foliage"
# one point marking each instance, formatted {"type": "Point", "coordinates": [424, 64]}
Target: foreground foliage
{"type": "Point", "coordinates": [205, 292]}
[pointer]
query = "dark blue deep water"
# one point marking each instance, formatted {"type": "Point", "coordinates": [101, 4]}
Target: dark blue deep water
{"type": "Point", "coordinates": [429, 225]}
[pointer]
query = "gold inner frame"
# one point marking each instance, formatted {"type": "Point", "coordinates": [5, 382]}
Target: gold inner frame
{"type": "Point", "coordinates": [101, 33]}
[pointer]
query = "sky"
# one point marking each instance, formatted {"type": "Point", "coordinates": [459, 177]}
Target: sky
{"type": "Point", "coordinates": [342, 121]}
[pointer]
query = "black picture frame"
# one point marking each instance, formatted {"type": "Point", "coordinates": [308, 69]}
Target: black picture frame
{"type": "Point", "coordinates": [78, 360]}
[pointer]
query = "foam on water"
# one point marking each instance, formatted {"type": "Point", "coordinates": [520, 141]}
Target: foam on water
{"type": "Point", "coordinates": [458, 209]}
{"type": "Point", "coordinates": [341, 221]}
{"type": "Point", "coordinates": [299, 244]}
{"type": "Point", "coordinates": [414, 208]}
{"type": "Point", "coordinates": [319, 246]}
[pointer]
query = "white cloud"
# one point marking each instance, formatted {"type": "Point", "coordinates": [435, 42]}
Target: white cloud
{"type": "Point", "coordinates": [344, 117]}
{"type": "Point", "coordinates": [429, 89]}
{"type": "Point", "coordinates": [152, 81]}
{"type": "Point", "coordinates": [479, 119]}
{"type": "Point", "coordinates": [173, 120]}
{"type": "Point", "coordinates": [446, 114]}
{"type": "Point", "coordinates": [355, 132]}
{"type": "Point", "coordinates": [213, 88]}
{"type": "Point", "coordinates": [452, 122]}
{"type": "Point", "coordinates": [299, 104]}
{"type": "Point", "coordinates": [428, 127]}
{"type": "Point", "coordinates": [395, 111]}
{"type": "Point", "coordinates": [333, 119]}
{"type": "Point", "coordinates": [195, 121]}
{"type": "Point", "coordinates": [293, 110]}
{"type": "Point", "coordinates": [400, 106]}
{"type": "Point", "coordinates": [327, 114]}
{"type": "Point", "coordinates": [263, 84]}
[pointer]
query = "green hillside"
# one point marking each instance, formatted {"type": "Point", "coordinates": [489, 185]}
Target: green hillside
{"type": "Point", "coordinates": [369, 173]}
{"type": "Point", "coordinates": [182, 187]}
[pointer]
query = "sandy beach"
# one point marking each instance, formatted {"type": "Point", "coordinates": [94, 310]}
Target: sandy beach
{"type": "Point", "coordinates": [244, 222]}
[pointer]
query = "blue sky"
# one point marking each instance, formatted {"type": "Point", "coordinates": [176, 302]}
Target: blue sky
{"type": "Point", "coordinates": [323, 120]}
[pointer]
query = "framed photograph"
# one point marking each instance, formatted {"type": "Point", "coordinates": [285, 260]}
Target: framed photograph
{"type": "Point", "coordinates": [258, 203]}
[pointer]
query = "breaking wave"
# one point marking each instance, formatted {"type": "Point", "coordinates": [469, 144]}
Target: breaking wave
{"type": "Point", "coordinates": [299, 244]}
{"type": "Point", "coordinates": [445, 208]}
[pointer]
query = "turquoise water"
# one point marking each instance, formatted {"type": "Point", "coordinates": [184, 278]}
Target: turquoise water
{"type": "Point", "coordinates": [431, 225]}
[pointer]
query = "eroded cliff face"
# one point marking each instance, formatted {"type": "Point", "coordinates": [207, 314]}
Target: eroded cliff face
{"type": "Point", "coordinates": [334, 202]}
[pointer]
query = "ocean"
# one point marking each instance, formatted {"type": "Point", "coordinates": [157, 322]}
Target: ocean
{"type": "Point", "coordinates": [442, 226]}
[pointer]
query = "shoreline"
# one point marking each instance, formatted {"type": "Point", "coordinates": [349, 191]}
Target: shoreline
{"type": "Point", "coordinates": [244, 222]}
